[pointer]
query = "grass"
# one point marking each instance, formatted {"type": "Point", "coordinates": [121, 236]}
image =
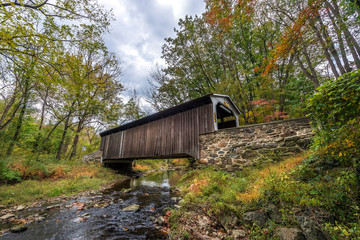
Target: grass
{"type": "Point", "coordinates": [259, 177]}
{"type": "Point", "coordinates": [33, 190]}
{"type": "Point", "coordinates": [39, 180]}
{"type": "Point", "coordinates": [242, 187]}
{"type": "Point", "coordinates": [288, 184]}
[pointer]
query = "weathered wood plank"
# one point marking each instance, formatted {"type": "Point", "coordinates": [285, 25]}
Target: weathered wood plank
{"type": "Point", "coordinates": [176, 135]}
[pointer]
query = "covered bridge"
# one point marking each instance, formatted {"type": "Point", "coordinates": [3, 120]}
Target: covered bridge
{"type": "Point", "coordinates": [172, 133]}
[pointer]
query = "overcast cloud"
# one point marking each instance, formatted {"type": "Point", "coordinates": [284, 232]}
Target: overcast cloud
{"type": "Point", "coordinates": [139, 31]}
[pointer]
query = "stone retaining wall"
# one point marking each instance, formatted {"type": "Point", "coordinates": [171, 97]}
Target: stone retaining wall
{"type": "Point", "coordinates": [236, 148]}
{"type": "Point", "coordinates": [93, 157]}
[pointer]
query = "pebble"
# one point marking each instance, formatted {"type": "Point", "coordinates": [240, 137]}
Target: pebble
{"type": "Point", "coordinates": [18, 229]}
{"type": "Point", "coordinates": [133, 207]}
{"type": "Point", "coordinates": [176, 199]}
{"type": "Point", "coordinates": [39, 219]}
{"type": "Point", "coordinates": [7, 216]}
{"type": "Point", "coordinates": [160, 220]}
{"type": "Point", "coordinates": [97, 196]}
{"type": "Point", "coordinates": [53, 206]}
{"type": "Point", "coordinates": [239, 234]}
{"type": "Point", "coordinates": [85, 215]}
{"type": "Point", "coordinates": [20, 208]}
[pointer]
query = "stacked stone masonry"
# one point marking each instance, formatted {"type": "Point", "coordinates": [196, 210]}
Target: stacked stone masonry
{"type": "Point", "coordinates": [236, 148]}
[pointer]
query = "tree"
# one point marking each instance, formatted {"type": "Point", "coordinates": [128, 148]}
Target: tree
{"type": "Point", "coordinates": [227, 56]}
{"type": "Point", "coordinates": [33, 30]}
{"type": "Point", "coordinates": [132, 109]}
{"type": "Point", "coordinates": [91, 75]}
{"type": "Point", "coordinates": [163, 92]}
{"type": "Point", "coordinates": [63, 66]}
{"type": "Point", "coordinates": [318, 24]}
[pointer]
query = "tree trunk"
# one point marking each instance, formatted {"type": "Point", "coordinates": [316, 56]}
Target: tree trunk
{"type": "Point", "coordinates": [76, 138]}
{"type": "Point", "coordinates": [283, 81]}
{"type": "Point", "coordinates": [21, 116]}
{"type": "Point", "coordinates": [350, 40]}
{"type": "Point", "coordinates": [341, 44]}
{"type": "Point", "coordinates": [7, 108]}
{"type": "Point", "coordinates": [311, 76]}
{"type": "Point", "coordinates": [331, 47]}
{"type": "Point", "coordinates": [326, 49]}
{"type": "Point", "coordinates": [60, 149]}
{"type": "Point", "coordinates": [12, 115]}
{"type": "Point", "coordinates": [37, 139]}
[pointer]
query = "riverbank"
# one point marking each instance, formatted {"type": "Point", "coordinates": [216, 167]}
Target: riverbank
{"type": "Point", "coordinates": [129, 209]}
{"type": "Point", "coordinates": [64, 179]}
{"type": "Point", "coordinates": [11, 217]}
{"type": "Point", "coordinates": [291, 199]}
{"type": "Point", "coordinates": [31, 200]}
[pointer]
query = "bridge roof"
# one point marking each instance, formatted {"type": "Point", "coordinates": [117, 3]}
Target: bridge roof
{"type": "Point", "coordinates": [168, 112]}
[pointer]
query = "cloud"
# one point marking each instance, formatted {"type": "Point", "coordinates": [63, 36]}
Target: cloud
{"type": "Point", "coordinates": [139, 31]}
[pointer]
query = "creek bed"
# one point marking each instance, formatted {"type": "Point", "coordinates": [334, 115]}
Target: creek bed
{"type": "Point", "coordinates": [128, 210]}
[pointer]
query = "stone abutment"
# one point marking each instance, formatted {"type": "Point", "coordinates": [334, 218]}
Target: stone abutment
{"type": "Point", "coordinates": [236, 148]}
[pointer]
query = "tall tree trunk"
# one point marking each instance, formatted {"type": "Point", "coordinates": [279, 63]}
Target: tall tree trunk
{"type": "Point", "coordinates": [76, 138]}
{"type": "Point", "coordinates": [8, 107]}
{"type": "Point", "coordinates": [350, 40]}
{"type": "Point", "coordinates": [310, 75]}
{"type": "Point", "coordinates": [37, 139]}
{"type": "Point", "coordinates": [283, 81]}
{"type": "Point", "coordinates": [12, 115]}
{"type": "Point", "coordinates": [66, 127]}
{"type": "Point", "coordinates": [331, 46]}
{"type": "Point", "coordinates": [341, 44]}
{"type": "Point", "coordinates": [325, 49]}
{"type": "Point", "coordinates": [21, 116]}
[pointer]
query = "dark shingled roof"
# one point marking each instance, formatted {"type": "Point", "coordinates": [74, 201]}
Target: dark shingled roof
{"type": "Point", "coordinates": [168, 112]}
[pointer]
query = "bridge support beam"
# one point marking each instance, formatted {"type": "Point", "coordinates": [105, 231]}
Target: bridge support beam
{"type": "Point", "coordinates": [121, 166]}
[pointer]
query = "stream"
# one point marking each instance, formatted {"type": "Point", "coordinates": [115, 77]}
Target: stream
{"type": "Point", "coordinates": [131, 209]}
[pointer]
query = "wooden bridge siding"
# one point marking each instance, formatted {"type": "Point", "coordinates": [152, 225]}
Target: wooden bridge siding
{"type": "Point", "coordinates": [174, 135]}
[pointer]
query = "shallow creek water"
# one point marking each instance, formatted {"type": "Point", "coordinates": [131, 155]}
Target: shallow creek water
{"type": "Point", "coordinates": [108, 216]}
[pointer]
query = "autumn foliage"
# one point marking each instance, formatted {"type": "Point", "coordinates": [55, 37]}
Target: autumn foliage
{"type": "Point", "coordinates": [292, 36]}
{"type": "Point", "coordinates": [221, 13]}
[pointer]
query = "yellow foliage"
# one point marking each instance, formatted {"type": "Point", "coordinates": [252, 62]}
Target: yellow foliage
{"type": "Point", "coordinates": [179, 162]}
{"type": "Point", "coordinates": [139, 167]}
{"type": "Point", "coordinates": [198, 185]}
{"type": "Point", "coordinates": [253, 190]}
{"type": "Point", "coordinates": [83, 171]}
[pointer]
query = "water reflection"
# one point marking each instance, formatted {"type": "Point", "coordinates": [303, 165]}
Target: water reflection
{"type": "Point", "coordinates": [163, 179]}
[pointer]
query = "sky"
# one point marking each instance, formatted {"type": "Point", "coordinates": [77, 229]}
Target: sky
{"type": "Point", "coordinates": [138, 33]}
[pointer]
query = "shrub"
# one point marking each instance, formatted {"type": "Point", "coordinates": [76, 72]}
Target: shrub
{"type": "Point", "coordinates": [7, 175]}
{"type": "Point", "coordinates": [334, 110]}
{"type": "Point", "coordinates": [336, 102]}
